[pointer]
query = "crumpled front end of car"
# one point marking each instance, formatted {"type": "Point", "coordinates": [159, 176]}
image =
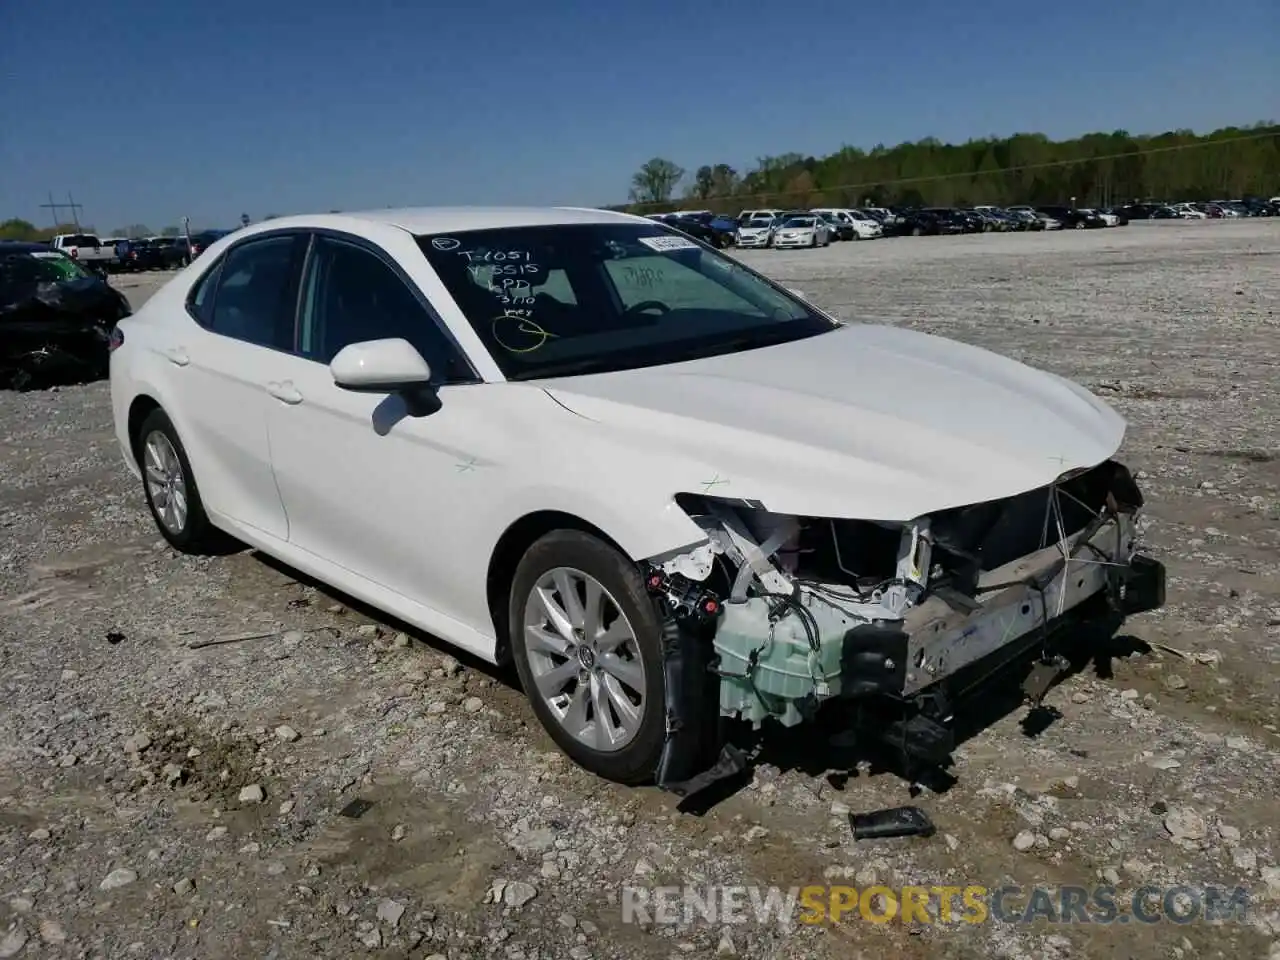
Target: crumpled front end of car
{"type": "Point", "coordinates": [807, 610]}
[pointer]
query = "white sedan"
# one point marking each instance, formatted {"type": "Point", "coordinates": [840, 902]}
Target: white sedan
{"type": "Point", "coordinates": [802, 231]}
{"type": "Point", "coordinates": [667, 488]}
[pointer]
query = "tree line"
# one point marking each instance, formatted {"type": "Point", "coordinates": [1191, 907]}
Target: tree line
{"type": "Point", "coordinates": [1097, 169]}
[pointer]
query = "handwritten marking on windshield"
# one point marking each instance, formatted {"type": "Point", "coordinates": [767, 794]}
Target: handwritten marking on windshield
{"type": "Point", "coordinates": [522, 325]}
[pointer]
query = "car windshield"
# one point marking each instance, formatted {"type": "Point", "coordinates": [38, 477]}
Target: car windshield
{"type": "Point", "coordinates": [799, 222]}
{"type": "Point", "coordinates": [589, 298]}
{"type": "Point", "coordinates": [759, 223]}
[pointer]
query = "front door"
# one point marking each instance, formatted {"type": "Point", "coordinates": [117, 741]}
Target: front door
{"type": "Point", "coordinates": [381, 494]}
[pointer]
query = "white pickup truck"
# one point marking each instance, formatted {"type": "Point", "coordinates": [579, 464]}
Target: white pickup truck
{"type": "Point", "coordinates": [84, 247]}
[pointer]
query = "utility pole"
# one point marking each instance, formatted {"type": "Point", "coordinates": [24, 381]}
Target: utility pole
{"type": "Point", "coordinates": [71, 205]}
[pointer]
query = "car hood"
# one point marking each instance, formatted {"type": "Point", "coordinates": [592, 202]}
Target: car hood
{"type": "Point", "coordinates": [869, 422]}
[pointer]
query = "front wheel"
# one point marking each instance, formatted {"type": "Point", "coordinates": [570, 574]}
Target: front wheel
{"type": "Point", "coordinates": [1079, 224]}
{"type": "Point", "coordinates": [587, 644]}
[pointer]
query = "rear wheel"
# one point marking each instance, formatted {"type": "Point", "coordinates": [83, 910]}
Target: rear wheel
{"type": "Point", "coordinates": [587, 644]}
{"type": "Point", "coordinates": [170, 488]}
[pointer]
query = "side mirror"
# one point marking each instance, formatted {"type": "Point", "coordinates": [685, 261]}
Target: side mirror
{"type": "Point", "coordinates": [387, 366]}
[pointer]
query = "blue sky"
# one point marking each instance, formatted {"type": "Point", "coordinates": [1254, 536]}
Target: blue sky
{"type": "Point", "coordinates": [147, 110]}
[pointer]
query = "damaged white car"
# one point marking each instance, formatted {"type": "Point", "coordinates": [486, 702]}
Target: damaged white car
{"type": "Point", "coordinates": [667, 488]}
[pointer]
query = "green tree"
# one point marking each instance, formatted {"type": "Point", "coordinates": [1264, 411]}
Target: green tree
{"type": "Point", "coordinates": [1097, 168]}
{"type": "Point", "coordinates": [17, 229]}
{"type": "Point", "coordinates": [655, 181]}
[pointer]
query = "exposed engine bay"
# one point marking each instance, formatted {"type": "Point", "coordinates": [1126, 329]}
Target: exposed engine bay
{"type": "Point", "coordinates": [801, 610]}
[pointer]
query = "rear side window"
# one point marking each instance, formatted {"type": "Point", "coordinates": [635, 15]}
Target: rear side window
{"type": "Point", "coordinates": [251, 293]}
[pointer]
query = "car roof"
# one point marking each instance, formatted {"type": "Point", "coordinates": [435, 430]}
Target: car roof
{"type": "Point", "coordinates": [423, 220]}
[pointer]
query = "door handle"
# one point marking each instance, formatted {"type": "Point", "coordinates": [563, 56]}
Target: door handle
{"type": "Point", "coordinates": [285, 392]}
{"type": "Point", "coordinates": [177, 356]}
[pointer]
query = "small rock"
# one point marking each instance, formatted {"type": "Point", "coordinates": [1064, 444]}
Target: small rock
{"type": "Point", "coordinates": [580, 952]}
{"type": "Point", "coordinates": [120, 877]}
{"type": "Point", "coordinates": [217, 833]}
{"type": "Point", "coordinates": [401, 640]}
{"type": "Point", "coordinates": [390, 912]}
{"type": "Point", "coordinates": [40, 833]}
{"type": "Point", "coordinates": [13, 942]}
{"type": "Point", "coordinates": [368, 630]}
{"type": "Point", "coordinates": [725, 947]}
{"type": "Point", "coordinates": [1228, 833]}
{"type": "Point", "coordinates": [1175, 682]}
{"type": "Point", "coordinates": [549, 870]}
{"type": "Point", "coordinates": [137, 743]}
{"type": "Point", "coordinates": [534, 841]}
{"type": "Point", "coordinates": [287, 733]}
{"type": "Point", "coordinates": [336, 609]}
{"type": "Point", "coordinates": [952, 842]}
{"type": "Point", "coordinates": [1111, 875]}
{"type": "Point", "coordinates": [518, 893]}
{"type": "Point", "coordinates": [184, 887]}
{"type": "Point", "coordinates": [1080, 697]}
{"type": "Point", "coordinates": [1129, 694]}
{"type": "Point", "coordinates": [450, 666]}
{"type": "Point", "coordinates": [642, 867]}
{"type": "Point", "coordinates": [1024, 841]}
{"type": "Point", "coordinates": [1059, 834]}
{"type": "Point", "coordinates": [437, 706]}
{"type": "Point", "coordinates": [1271, 877]}
{"type": "Point", "coordinates": [51, 932]}
{"type": "Point", "coordinates": [567, 920]}
{"type": "Point", "coordinates": [398, 832]}
{"type": "Point", "coordinates": [253, 793]}
{"type": "Point", "coordinates": [472, 704]}
{"type": "Point", "coordinates": [1238, 743]}
{"type": "Point", "coordinates": [173, 773]}
{"type": "Point", "coordinates": [287, 807]}
{"type": "Point", "coordinates": [1164, 763]}
{"type": "Point", "coordinates": [372, 938]}
{"type": "Point", "coordinates": [756, 833]}
{"type": "Point", "coordinates": [1245, 859]}
{"type": "Point", "coordinates": [1185, 824]}
{"type": "Point", "coordinates": [21, 904]}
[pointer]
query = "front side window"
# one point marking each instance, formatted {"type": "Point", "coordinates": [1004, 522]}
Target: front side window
{"type": "Point", "coordinates": [350, 295]}
{"type": "Point", "coordinates": [255, 293]}
{"type": "Point", "coordinates": [587, 298]}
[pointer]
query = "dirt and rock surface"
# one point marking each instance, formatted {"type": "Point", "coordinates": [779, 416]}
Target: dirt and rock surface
{"type": "Point", "coordinates": [333, 785]}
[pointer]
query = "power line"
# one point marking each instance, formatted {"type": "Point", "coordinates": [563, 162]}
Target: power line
{"type": "Point", "coordinates": [975, 173]}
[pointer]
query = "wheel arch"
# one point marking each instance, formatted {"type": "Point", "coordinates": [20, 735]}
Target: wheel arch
{"type": "Point", "coordinates": [507, 553]}
{"type": "Point", "coordinates": [140, 408]}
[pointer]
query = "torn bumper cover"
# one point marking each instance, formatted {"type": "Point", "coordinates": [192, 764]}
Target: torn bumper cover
{"type": "Point", "coordinates": [909, 607]}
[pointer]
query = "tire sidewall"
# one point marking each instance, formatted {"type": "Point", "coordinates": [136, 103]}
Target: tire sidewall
{"type": "Point", "coordinates": [637, 761]}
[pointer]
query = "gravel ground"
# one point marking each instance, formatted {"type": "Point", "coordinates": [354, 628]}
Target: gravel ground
{"type": "Point", "coordinates": [159, 799]}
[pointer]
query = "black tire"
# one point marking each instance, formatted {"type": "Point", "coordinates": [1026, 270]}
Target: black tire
{"type": "Point", "coordinates": [197, 535]}
{"type": "Point", "coordinates": [637, 761]}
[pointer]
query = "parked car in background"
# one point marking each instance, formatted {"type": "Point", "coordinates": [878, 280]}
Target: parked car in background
{"type": "Point", "coordinates": [1073, 218]}
{"type": "Point", "coordinates": [841, 227]}
{"type": "Point", "coordinates": [203, 240]}
{"type": "Point", "coordinates": [923, 223]}
{"type": "Point", "coordinates": [802, 230]}
{"type": "Point", "coordinates": [755, 233]}
{"type": "Point", "coordinates": [85, 247]}
{"type": "Point", "coordinates": [717, 236]}
{"type": "Point", "coordinates": [765, 214]}
{"type": "Point", "coordinates": [55, 316]}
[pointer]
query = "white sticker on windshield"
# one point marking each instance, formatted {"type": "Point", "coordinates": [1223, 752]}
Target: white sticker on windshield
{"type": "Point", "coordinates": [662, 244]}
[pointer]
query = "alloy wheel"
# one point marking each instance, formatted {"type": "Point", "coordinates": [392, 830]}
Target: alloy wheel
{"type": "Point", "coordinates": [165, 482]}
{"type": "Point", "coordinates": [584, 658]}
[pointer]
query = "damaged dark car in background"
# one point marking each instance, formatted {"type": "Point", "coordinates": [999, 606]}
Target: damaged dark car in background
{"type": "Point", "coordinates": [56, 318]}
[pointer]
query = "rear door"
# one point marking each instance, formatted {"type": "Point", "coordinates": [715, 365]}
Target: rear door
{"type": "Point", "coordinates": [228, 364]}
